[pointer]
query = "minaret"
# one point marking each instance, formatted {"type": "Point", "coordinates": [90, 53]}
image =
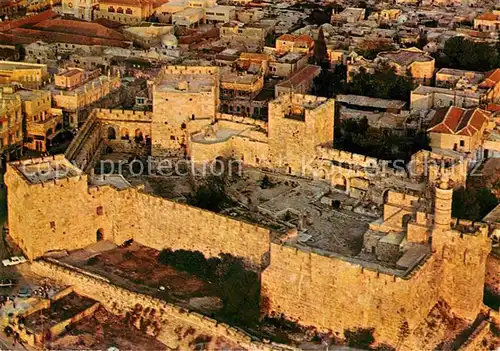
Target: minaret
{"type": "Point", "coordinates": [443, 202]}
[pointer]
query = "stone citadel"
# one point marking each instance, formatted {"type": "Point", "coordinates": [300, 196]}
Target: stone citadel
{"type": "Point", "coordinates": [58, 203]}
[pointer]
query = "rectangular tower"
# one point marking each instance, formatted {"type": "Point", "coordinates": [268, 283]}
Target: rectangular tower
{"type": "Point", "coordinates": [297, 125]}
{"type": "Point", "coordinates": [184, 98]}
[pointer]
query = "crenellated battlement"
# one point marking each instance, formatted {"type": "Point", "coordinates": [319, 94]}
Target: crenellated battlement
{"type": "Point", "coordinates": [124, 115]}
{"type": "Point", "coordinates": [241, 120]}
{"type": "Point", "coordinates": [119, 300]}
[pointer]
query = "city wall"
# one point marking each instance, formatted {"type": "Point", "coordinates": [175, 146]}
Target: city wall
{"type": "Point", "coordinates": [67, 214]}
{"type": "Point", "coordinates": [334, 294]}
{"type": "Point", "coordinates": [168, 322]}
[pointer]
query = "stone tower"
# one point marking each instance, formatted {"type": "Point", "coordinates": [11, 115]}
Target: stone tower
{"type": "Point", "coordinates": [184, 99]}
{"type": "Point", "coordinates": [443, 201]}
{"type": "Point", "coordinates": [297, 125]}
{"type": "Point", "coordinates": [461, 248]}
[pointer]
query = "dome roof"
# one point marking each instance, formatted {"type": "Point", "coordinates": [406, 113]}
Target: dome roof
{"type": "Point", "coordinates": [169, 40]}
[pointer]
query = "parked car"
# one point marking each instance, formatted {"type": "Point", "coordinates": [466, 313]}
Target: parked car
{"type": "Point", "coordinates": [7, 283]}
{"type": "Point", "coordinates": [14, 260]}
{"type": "Point", "coordinates": [24, 291]}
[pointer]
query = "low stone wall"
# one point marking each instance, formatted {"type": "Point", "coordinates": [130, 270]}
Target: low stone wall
{"type": "Point", "coordinates": [60, 327]}
{"type": "Point", "coordinates": [172, 325]}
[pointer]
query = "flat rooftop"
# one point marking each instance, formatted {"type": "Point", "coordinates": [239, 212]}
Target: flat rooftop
{"type": "Point", "coordinates": [186, 83]}
{"type": "Point", "coordinates": [8, 65]}
{"type": "Point", "coordinates": [406, 57]}
{"type": "Point", "coordinates": [424, 90]}
{"type": "Point", "coordinates": [59, 310]}
{"type": "Point", "coordinates": [366, 101]}
{"type": "Point", "coordinates": [115, 180]}
{"type": "Point", "coordinates": [38, 171]}
{"type": "Point", "coordinates": [27, 95]}
{"type": "Point", "coordinates": [69, 73]}
{"type": "Point", "coordinates": [230, 76]}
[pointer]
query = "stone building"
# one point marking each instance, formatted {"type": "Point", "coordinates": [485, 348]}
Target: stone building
{"type": "Point", "coordinates": [82, 9]}
{"type": "Point", "coordinates": [124, 11]}
{"type": "Point", "coordinates": [459, 129]}
{"type": "Point", "coordinates": [252, 34]}
{"type": "Point", "coordinates": [451, 78]}
{"type": "Point", "coordinates": [194, 88]}
{"type": "Point", "coordinates": [490, 87]}
{"type": "Point", "coordinates": [489, 21]}
{"type": "Point", "coordinates": [295, 43]}
{"type": "Point", "coordinates": [11, 132]}
{"type": "Point", "coordinates": [419, 63]}
{"type": "Point", "coordinates": [30, 75]}
{"type": "Point", "coordinates": [349, 15]}
{"type": "Point", "coordinates": [82, 93]}
{"type": "Point", "coordinates": [425, 98]}
{"type": "Point", "coordinates": [438, 260]}
{"type": "Point", "coordinates": [42, 122]}
{"type": "Point", "coordinates": [438, 250]}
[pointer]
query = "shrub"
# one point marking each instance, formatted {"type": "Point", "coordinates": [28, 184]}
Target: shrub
{"type": "Point", "coordinates": [360, 337]}
{"type": "Point", "coordinates": [239, 288]}
{"type": "Point", "coordinates": [93, 260]}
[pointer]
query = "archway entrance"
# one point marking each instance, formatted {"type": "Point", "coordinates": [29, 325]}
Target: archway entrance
{"type": "Point", "coordinates": [340, 182]}
{"type": "Point", "coordinates": [100, 234]}
{"type": "Point", "coordinates": [111, 133]}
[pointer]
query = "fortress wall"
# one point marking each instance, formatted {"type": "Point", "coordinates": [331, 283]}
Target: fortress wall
{"type": "Point", "coordinates": [336, 295]}
{"type": "Point", "coordinates": [66, 214]}
{"type": "Point", "coordinates": [464, 268]}
{"type": "Point", "coordinates": [170, 322]}
{"type": "Point", "coordinates": [56, 215]}
{"type": "Point", "coordinates": [252, 152]}
{"type": "Point", "coordinates": [240, 119]}
{"type": "Point", "coordinates": [160, 223]}
{"type": "Point", "coordinates": [124, 115]}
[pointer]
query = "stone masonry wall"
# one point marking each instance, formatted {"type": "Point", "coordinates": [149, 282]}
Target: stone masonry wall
{"type": "Point", "coordinates": [168, 322]}
{"type": "Point", "coordinates": [66, 214]}
{"type": "Point", "coordinates": [336, 295]}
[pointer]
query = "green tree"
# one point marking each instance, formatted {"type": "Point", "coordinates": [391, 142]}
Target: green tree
{"type": "Point", "coordinates": [462, 53]}
{"type": "Point", "coordinates": [320, 54]}
{"type": "Point", "coordinates": [383, 84]}
{"type": "Point", "coordinates": [473, 203]}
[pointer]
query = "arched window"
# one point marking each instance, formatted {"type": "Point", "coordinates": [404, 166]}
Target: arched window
{"type": "Point", "coordinates": [99, 234]}
{"type": "Point", "coordinates": [124, 134]}
{"type": "Point", "coordinates": [138, 136]}
{"type": "Point", "coordinates": [111, 9]}
{"type": "Point", "coordinates": [119, 10]}
{"type": "Point", "coordinates": [111, 133]}
{"type": "Point", "coordinates": [128, 11]}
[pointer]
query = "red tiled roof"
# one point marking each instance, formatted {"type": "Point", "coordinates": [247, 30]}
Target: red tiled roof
{"type": "Point", "coordinates": [305, 74]}
{"type": "Point", "coordinates": [492, 79]}
{"type": "Point", "coordinates": [305, 38]}
{"type": "Point", "coordinates": [301, 38]}
{"type": "Point", "coordinates": [9, 39]}
{"type": "Point", "coordinates": [80, 28]}
{"type": "Point", "coordinates": [488, 16]}
{"type": "Point", "coordinates": [57, 37]}
{"type": "Point", "coordinates": [459, 121]}
{"type": "Point", "coordinates": [27, 20]}
{"type": "Point", "coordinates": [287, 37]}
{"type": "Point", "coordinates": [493, 107]}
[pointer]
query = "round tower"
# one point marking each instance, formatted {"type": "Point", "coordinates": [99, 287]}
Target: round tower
{"type": "Point", "coordinates": [442, 203]}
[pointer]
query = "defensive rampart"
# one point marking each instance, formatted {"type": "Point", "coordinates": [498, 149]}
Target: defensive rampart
{"type": "Point", "coordinates": [169, 322]}
{"type": "Point", "coordinates": [335, 294]}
